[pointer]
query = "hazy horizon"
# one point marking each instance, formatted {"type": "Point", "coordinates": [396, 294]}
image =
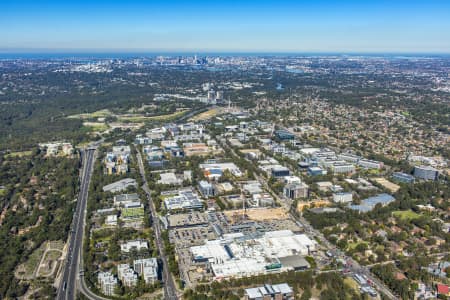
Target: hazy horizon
{"type": "Point", "coordinates": [151, 52]}
{"type": "Point", "coordinates": [266, 26]}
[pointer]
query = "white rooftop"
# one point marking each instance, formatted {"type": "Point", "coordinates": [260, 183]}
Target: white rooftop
{"type": "Point", "coordinates": [238, 255]}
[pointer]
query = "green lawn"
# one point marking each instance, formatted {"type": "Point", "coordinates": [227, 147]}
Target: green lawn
{"type": "Point", "coordinates": [96, 114]}
{"type": "Point", "coordinates": [132, 212]}
{"type": "Point", "coordinates": [374, 172]}
{"type": "Point", "coordinates": [96, 126]}
{"type": "Point", "coordinates": [405, 113]}
{"type": "Point", "coordinates": [143, 118]}
{"type": "Point", "coordinates": [405, 214]}
{"type": "Point", "coordinates": [18, 154]}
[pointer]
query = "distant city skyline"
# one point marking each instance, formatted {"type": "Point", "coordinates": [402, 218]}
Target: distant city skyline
{"type": "Point", "coordinates": [267, 26]}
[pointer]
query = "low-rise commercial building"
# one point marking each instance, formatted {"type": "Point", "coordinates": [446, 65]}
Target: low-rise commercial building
{"type": "Point", "coordinates": [191, 149]}
{"type": "Point", "coordinates": [111, 220]}
{"type": "Point", "coordinates": [343, 197]}
{"type": "Point", "coordinates": [215, 170]}
{"type": "Point", "coordinates": [316, 171]}
{"type": "Point", "coordinates": [296, 190]}
{"type": "Point", "coordinates": [169, 178]}
{"type": "Point", "coordinates": [426, 173]}
{"type": "Point", "coordinates": [292, 179]}
{"type": "Point", "coordinates": [340, 168]}
{"type": "Point", "coordinates": [136, 244]}
{"type": "Point", "coordinates": [206, 188]}
{"type": "Point", "coordinates": [370, 164]}
{"type": "Point", "coordinates": [57, 148]}
{"type": "Point", "coordinates": [122, 200]}
{"type": "Point", "coordinates": [261, 200]}
{"type": "Point", "coordinates": [252, 187]}
{"type": "Point", "coordinates": [349, 157]}
{"type": "Point", "coordinates": [284, 135]}
{"type": "Point", "coordinates": [280, 171]}
{"type": "Point", "coordinates": [403, 177]}
{"type": "Point", "coordinates": [185, 200]}
{"type": "Point", "coordinates": [280, 291]}
{"type": "Point", "coordinates": [142, 140]}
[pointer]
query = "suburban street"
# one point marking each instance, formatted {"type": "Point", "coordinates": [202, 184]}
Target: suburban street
{"type": "Point", "coordinates": [170, 291]}
{"type": "Point", "coordinates": [68, 283]}
{"type": "Point", "coordinates": [354, 266]}
{"type": "Point", "coordinates": [72, 279]}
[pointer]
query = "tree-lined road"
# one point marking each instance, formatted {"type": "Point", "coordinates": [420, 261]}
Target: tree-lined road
{"type": "Point", "coordinates": [355, 267]}
{"type": "Point", "coordinates": [170, 291]}
{"type": "Point", "coordinates": [68, 283]}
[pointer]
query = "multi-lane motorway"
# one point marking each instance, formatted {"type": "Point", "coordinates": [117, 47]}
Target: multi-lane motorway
{"type": "Point", "coordinates": [67, 287]}
{"type": "Point", "coordinates": [72, 279]}
{"type": "Point", "coordinates": [170, 291]}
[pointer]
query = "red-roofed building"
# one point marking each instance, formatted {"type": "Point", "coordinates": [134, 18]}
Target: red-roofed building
{"type": "Point", "coordinates": [443, 289]}
{"type": "Point", "coordinates": [400, 276]}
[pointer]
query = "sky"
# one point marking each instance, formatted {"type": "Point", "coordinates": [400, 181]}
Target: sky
{"type": "Point", "coordinates": [393, 26]}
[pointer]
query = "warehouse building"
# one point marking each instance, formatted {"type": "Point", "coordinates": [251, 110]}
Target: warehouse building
{"type": "Point", "coordinates": [370, 203]}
